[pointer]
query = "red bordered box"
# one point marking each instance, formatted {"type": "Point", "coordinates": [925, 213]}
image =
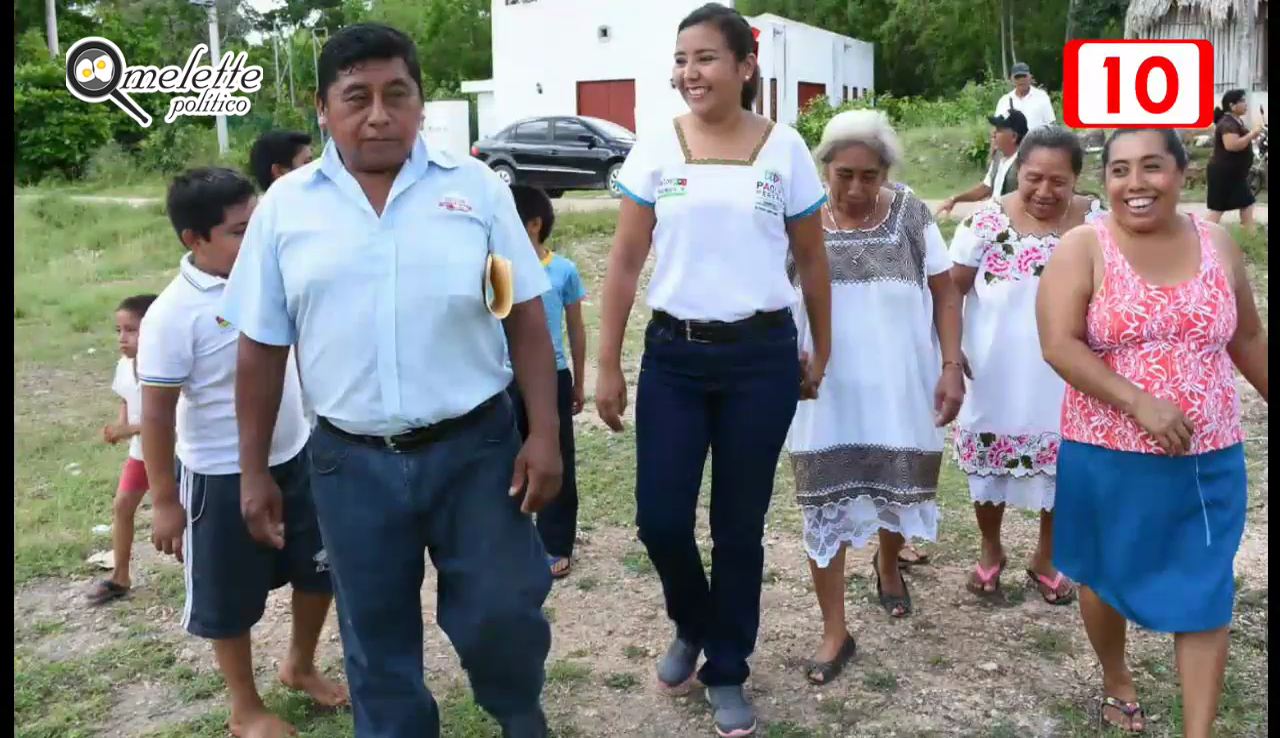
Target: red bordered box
{"type": "Point", "coordinates": [1186, 115]}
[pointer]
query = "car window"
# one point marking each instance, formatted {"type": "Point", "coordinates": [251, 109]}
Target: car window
{"type": "Point", "coordinates": [568, 131]}
{"type": "Point", "coordinates": [612, 129]}
{"type": "Point", "coordinates": [536, 131]}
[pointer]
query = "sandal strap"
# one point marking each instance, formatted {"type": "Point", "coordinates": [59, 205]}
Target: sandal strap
{"type": "Point", "coordinates": [1130, 709]}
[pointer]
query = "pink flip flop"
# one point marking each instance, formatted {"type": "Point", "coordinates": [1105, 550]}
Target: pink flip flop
{"type": "Point", "coordinates": [985, 577]}
{"type": "Point", "coordinates": [1065, 595]}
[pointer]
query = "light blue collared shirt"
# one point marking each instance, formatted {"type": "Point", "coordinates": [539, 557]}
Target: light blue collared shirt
{"type": "Point", "coordinates": [387, 313]}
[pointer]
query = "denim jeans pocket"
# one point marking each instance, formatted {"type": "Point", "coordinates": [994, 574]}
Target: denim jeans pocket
{"type": "Point", "coordinates": [326, 453]}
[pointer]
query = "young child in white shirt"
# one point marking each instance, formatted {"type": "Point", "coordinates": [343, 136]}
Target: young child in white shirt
{"type": "Point", "coordinates": [128, 427]}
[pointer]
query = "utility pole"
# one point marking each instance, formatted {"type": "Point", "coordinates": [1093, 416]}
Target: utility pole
{"type": "Point", "coordinates": [51, 25]}
{"type": "Point", "coordinates": [215, 52]}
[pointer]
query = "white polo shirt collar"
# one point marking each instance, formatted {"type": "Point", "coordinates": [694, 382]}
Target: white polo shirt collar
{"type": "Point", "coordinates": [201, 280]}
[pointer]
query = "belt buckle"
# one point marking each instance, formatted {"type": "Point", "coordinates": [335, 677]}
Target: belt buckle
{"type": "Point", "coordinates": [688, 333]}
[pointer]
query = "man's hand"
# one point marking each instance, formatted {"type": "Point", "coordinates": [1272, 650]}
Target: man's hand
{"type": "Point", "coordinates": [579, 397]}
{"type": "Point", "coordinates": [538, 471]}
{"type": "Point", "coordinates": [262, 508]}
{"type": "Point", "coordinates": [168, 522]}
{"type": "Point", "coordinates": [611, 396]}
{"type": "Point", "coordinates": [946, 206]}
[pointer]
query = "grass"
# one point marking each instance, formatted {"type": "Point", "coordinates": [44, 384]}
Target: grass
{"type": "Point", "coordinates": [73, 263]}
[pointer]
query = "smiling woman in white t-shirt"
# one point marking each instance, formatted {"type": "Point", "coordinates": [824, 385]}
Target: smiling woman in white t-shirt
{"type": "Point", "coordinates": [721, 196]}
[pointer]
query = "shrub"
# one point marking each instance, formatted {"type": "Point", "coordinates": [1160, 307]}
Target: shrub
{"type": "Point", "coordinates": [972, 104]}
{"type": "Point", "coordinates": [54, 134]}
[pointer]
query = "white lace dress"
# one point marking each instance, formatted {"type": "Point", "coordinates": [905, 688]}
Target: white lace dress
{"type": "Point", "coordinates": [1008, 431]}
{"type": "Point", "coordinates": [866, 454]}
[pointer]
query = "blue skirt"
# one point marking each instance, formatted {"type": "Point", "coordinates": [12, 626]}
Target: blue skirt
{"type": "Point", "coordinates": [1154, 536]}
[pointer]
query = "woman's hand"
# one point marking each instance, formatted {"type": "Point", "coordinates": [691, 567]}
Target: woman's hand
{"type": "Point", "coordinates": [1165, 422]}
{"type": "Point", "coordinates": [611, 396]}
{"type": "Point", "coordinates": [949, 395]}
{"type": "Point", "coordinates": [812, 370]}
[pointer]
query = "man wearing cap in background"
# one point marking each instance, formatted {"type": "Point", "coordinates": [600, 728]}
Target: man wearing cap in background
{"type": "Point", "coordinates": [1027, 99]}
{"type": "Point", "coordinates": [1007, 132]}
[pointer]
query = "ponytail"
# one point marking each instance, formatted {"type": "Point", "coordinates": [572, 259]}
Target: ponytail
{"type": "Point", "coordinates": [751, 89]}
{"type": "Point", "coordinates": [1217, 115]}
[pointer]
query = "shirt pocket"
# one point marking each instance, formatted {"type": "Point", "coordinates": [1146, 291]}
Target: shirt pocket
{"type": "Point", "coordinates": [445, 256]}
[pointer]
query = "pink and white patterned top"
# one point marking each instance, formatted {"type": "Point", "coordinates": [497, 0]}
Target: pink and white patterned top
{"type": "Point", "coordinates": [1170, 341]}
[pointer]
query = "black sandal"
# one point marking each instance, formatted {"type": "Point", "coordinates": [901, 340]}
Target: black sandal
{"type": "Point", "coordinates": [1131, 710]}
{"type": "Point", "coordinates": [820, 673]}
{"type": "Point", "coordinates": [890, 603]}
{"type": "Point", "coordinates": [106, 591]}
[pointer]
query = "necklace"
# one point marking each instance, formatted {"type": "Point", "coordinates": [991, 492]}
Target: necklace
{"type": "Point", "coordinates": [1056, 230]}
{"type": "Point", "coordinates": [859, 224]}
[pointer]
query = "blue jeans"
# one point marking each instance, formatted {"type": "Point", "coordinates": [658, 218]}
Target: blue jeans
{"type": "Point", "coordinates": [736, 399]}
{"type": "Point", "coordinates": [378, 511]}
{"type": "Point", "coordinates": [558, 521]}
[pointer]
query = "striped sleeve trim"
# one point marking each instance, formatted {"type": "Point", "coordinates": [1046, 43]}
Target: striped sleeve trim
{"type": "Point", "coordinates": [809, 210]}
{"type": "Point", "coordinates": [161, 381]}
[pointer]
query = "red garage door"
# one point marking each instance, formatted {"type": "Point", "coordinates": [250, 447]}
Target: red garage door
{"type": "Point", "coordinates": [613, 100]}
{"type": "Point", "coordinates": [807, 91]}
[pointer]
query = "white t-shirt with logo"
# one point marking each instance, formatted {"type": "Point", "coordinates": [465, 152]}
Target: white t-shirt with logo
{"type": "Point", "coordinates": [125, 384]}
{"type": "Point", "coordinates": [720, 242]}
{"type": "Point", "coordinates": [184, 342]}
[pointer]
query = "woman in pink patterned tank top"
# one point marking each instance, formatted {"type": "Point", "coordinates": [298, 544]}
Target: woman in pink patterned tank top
{"type": "Point", "coordinates": [1147, 314]}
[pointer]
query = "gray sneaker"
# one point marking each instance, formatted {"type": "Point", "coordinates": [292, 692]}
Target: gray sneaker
{"type": "Point", "coordinates": [676, 667]}
{"type": "Point", "coordinates": [735, 717]}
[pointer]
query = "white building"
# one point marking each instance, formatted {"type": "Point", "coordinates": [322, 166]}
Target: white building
{"type": "Point", "coordinates": [612, 59]}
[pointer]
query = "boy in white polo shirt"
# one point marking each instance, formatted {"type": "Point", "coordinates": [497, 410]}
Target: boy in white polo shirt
{"type": "Point", "coordinates": [187, 366]}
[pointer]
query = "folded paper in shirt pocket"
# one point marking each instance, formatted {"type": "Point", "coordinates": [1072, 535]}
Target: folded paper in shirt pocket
{"type": "Point", "coordinates": [498, 286]}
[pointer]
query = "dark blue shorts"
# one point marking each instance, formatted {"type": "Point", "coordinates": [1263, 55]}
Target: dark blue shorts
{"type": "Point", "coordinates": [228, 573]}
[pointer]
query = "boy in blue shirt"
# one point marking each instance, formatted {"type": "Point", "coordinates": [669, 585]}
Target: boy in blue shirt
{"type": "Point", "coordinates": [557, 522]}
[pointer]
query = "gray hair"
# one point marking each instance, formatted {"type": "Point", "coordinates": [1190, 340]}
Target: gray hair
{"type": "Point", "coordinates": [868, 128]}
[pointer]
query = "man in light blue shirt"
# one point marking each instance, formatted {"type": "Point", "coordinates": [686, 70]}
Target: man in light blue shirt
{"type": "Point", "coordinates": [371, 261]}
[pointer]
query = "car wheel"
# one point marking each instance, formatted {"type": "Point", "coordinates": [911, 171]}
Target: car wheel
{"type": "Point", "coordinates": [555, 194]}
{"type": "Point", "coordinates": [506, 174]}
{"type": "Point", "coordinates": [611, 180]}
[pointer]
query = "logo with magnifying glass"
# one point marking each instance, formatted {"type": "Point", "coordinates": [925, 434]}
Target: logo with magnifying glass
{"type": "Point", "coordinates": [95, 69]}
{"type": "Point", "coordinates": [96, 72]}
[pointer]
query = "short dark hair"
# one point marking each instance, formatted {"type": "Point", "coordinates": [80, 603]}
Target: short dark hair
{"type": "Point", "coordinates": [198, 198]}
{"type": "Point", "coordinates": [531, 203]}
{"type": "Point", "coordinates": [362, 42]}
{"type": "Point", "coordinates": [1172, 145]}
{"type": "Point", "coordinates": [274, 147]}
{"type": "Point", "coordinates": [738, 36]}
{"type": "Point", "coordinates": [1053, 137]}
{"type": "Point", "coordinates": [136, 304]}
{"type": "Point", "coordinates": [1229, 100]}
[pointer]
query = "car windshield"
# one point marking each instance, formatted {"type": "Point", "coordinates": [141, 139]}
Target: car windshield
{"type": "Point", "coordinates": [611, 129]}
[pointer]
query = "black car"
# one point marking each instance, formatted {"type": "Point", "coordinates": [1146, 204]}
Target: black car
{"type": "Point", "coordinates": [558, 153]}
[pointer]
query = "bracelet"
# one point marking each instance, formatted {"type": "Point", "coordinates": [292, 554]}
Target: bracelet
{"type": "Point", "coordinates": [956, 364]}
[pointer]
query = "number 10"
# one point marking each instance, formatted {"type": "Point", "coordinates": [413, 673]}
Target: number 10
{"type": "Point", "coordinates": [1142, 84]}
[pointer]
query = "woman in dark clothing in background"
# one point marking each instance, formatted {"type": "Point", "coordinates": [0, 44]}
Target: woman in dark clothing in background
{"type": "Point", "coordinates": [1228, 175]}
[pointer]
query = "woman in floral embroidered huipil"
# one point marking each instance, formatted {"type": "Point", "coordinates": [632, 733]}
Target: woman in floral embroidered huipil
{"type": "Point", "coordinates": [1147, 315]}
{"type": "Point", "coordinates": [1007, 442]}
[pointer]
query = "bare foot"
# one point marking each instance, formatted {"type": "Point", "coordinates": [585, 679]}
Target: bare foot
{"type": "Point", "coordinates": [260, 724]}
{"type": "Point", "coordinates": [325, 692]}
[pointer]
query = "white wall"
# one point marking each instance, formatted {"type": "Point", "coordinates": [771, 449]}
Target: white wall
{"type": "Point", "coordinates": [554, 43]}
{"type": "Point", "coordinates": [446, 125]}
{"type": "Point", "coordinates": [486, 114]}
{"type": "Point", "coordinates": [792, 53]}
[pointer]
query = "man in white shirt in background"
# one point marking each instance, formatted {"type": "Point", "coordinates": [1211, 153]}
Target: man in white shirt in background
{"type": "Point", "coordinates": [1027, 99]}
{"type": "Point", "coordinates": [1007, 132]}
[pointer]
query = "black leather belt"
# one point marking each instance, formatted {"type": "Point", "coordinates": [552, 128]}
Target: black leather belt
{"type": "Point", "coordinates": [714, 331]}
{"type": "Point", "coordinates": [412, 440]}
